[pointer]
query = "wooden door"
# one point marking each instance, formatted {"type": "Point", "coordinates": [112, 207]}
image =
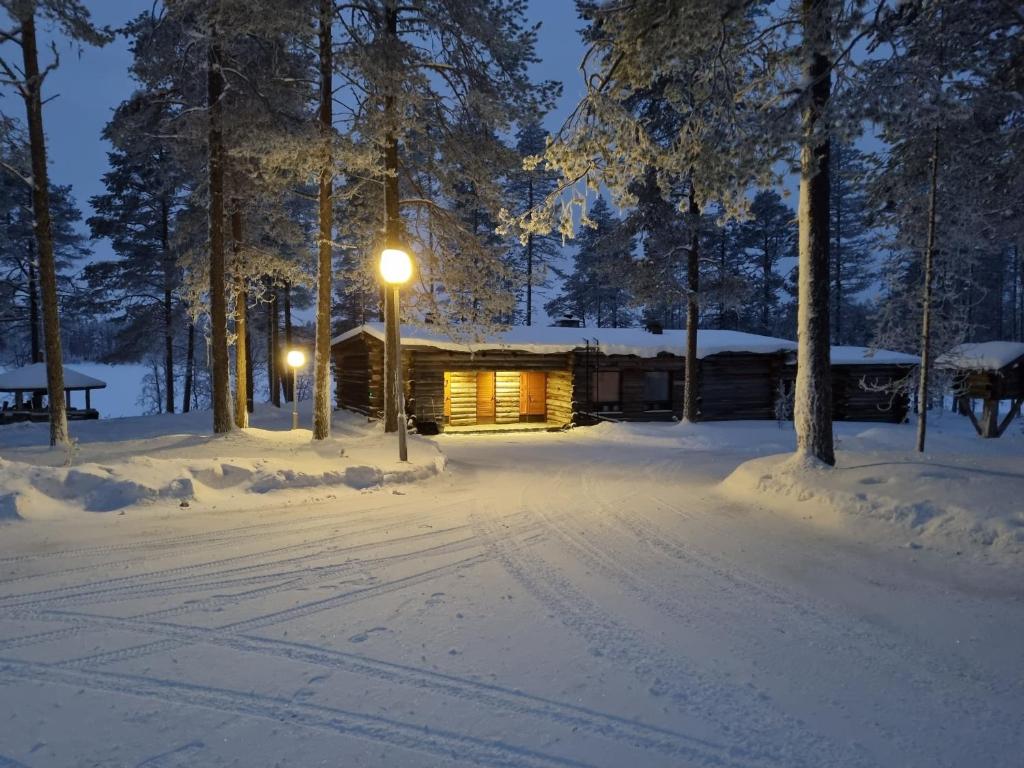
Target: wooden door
{"type": "Point", "coordinates": [485, 404]}
{"type": "Point", "coordinates": [532, 398]}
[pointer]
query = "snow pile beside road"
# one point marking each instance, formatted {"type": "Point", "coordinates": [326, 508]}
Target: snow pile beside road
{"type": "Point", "coordinates": [956, 504]}
{"type": "Point", "coordinates": [176, 464]}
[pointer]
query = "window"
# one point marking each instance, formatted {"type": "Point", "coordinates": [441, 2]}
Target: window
{"type": "Point", "coordinates": [657, 391]}
{"type": "Point", "coordinates": [604, 391]}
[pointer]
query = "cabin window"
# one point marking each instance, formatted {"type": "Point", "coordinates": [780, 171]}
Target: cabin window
{"type": "Point", "coordinates": [606, 391]}
{"type": "Point", "coordinates": [657, 391]}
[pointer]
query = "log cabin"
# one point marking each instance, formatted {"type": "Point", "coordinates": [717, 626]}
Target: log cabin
{"type": "Point", "coordinates": [991, 372]}
{"type": "Point", "coordinates": [550, 377]}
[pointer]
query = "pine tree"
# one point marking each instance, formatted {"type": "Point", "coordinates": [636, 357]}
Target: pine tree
{"type": "Point", "coordinates": [526, 188]}
{"type": "Point", "coordinates": [596, 289]}
{"type": "Point", "coordinates": [72, 18]}
{"type": "Point", "coordinates": [768, 235]}
{"type": "Point", "coordinates": [852, 271]}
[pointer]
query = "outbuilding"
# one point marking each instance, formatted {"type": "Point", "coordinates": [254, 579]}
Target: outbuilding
{"type": "Point", "coordinates": [990, 371]}
{"type": "Point", "coordinates": [28, 384]}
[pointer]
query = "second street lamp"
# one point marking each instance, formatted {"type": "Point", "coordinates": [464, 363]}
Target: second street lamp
{"type": "Point", "coordinates": [395, 270]}
{"type": "Point", "coordinates": [295, 359]}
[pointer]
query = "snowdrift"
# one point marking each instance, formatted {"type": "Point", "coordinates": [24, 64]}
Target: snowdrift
{"type": "Point", "coordinates": [961, 499]}
{"type": "Point", "coordinates": [168, 462]}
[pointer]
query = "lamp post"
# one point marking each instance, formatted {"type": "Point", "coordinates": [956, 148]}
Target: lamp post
{"type": "Point", "coordinates": [395, 270]}
{"type": "Point", "coordinates": [296, 359]}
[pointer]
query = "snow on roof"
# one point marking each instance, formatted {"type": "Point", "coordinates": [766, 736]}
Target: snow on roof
{"type": "Point", "coordinates": [556, 339]}
{"type": "Point", "coordinates": [33, 377]}
{"type": "Point", "coordinates": [984, 356]}
{"type": "Point", "coordinates": [868, 356]}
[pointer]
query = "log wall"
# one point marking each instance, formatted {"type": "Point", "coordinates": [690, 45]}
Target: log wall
{"type": "Point", "coordinates": [359, 375]}
{"type": "Point", "coordinates": [506, 390]}
{"type": "Point", "coordinates": [558, 393]}
{"type": "Point", "coordinates": [631, 382]}
{"type": "Point", "coordinates": [853, 402]}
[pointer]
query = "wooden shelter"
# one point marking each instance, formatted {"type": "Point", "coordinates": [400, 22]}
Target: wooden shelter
{"type": "Point", "coordinates": [991, 371]}
{"type": "Point", "coordinates": [28, 385]}
{"type": "Point", "coordinates": [555, 376]}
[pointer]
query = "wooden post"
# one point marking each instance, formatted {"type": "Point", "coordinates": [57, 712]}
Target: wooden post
{"type": "Point", "coordinates": [88, 399]}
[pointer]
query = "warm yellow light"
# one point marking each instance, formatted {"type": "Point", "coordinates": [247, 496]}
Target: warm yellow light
{"type": "Point", "coordinates": [395, 266]}
{"type": "Point", "coordinates": [296, 358]}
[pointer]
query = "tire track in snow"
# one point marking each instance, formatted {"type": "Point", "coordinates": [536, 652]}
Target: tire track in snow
{"type": "Point", "coordinates": [442, 743]}
{"type": "Point", "coordinates": [221, 601]}
{"type": "Point", "coordinates": [495, 697]}
{"type": "Point", "coordinates": [182, 574]}
{"type": "Point", "coordinates": [661, 670]}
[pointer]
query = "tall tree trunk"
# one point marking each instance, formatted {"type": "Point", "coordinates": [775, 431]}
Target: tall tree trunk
{"type": "Point", "coordinates": [190, 368]}
{"type": "Point", "coordinates": [690, 384]}
{"type": "Point", "coordinates": [274, 350]}
{"type": "Point", "coordinates": [241, 332]}
{"type": "Point", "coordinates": [218, 310]}
{"type": "Point", "coordinates": [32, 93]}
{"type": "Point", "coordinates": [392, 227]}
{"type": "Point", "coordinates": [33, 306]}
{"type": "Point", "coordinates": [288, 382]}
{"type": "Point", "coordinates": [926, 298]}
{"type": "Point", "coordinates": [322, 347]}
{"type": "Point", "coordinates": [812, 412]}
{"type": "Point", "coordinates": [168, 306]}
{"type": "Point", "coordinates": [250, 386]}
{"type": "Point", "coordinates": [837, 249]}
{"type": "Point", "coordinates": [529, 256]}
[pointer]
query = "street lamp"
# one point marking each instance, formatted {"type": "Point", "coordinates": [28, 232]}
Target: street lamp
{"type": "Point", "coordinates": [295, 359]}
{"type": "Point", "coordinates": [395, 270]}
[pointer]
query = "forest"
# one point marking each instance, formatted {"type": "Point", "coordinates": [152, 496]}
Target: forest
{"type": "Point", "coordinates": [272, 148]}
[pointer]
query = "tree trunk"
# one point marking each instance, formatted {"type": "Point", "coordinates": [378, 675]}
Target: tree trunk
{"type": "Point", "coordinates": [33, 298]}
{"type": "Point", "coordinates": [218, 310]}
{"type": "Point", "coordinates": [812, 414]}
{"type": "Point", "coordinates": [766, 286]}
{"type": "Point", "coordinates": [690, 383]}
{"type": "Point", "coordinates": [529, 256]}
{"type": "Point", "coordinates": [837, 251]}
{"type": "Point", "coordinates": [31, 92]}
{"type": "Point", "coordinates": [249, 383]}
{"type": "Point", "coordinates": [288, 382]}
{"type": "Point", "coordinates": [190, 368]}
{"type": "Point", "coordinates": [168, 306]}
{"type": "Point", "coordinates": [926, 298]}
{"type": "Point", "coordinates": [322, 347]}
{"type": "Point", "coordinates": [274, 349]}
{"type": "Point", "coordinates": [241, 332]}
{"type": "Point", "coordinates": [392, 228]}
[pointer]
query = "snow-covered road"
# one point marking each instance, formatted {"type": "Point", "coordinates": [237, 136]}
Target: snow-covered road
{"type": "Point", "coordinates": [552, 600]}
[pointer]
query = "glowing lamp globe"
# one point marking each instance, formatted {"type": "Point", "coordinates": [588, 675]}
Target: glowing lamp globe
{"type": "Point", "coordinates": [296, 359]}
{"type": "Point", "coordinates": [395, 266]}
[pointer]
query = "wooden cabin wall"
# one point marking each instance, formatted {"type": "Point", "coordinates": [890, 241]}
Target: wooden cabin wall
{"type": "Point", "coordinates": [359, 375]}
{"type": "Point", "coordinates": [558, 393]}
{"type": "Point", "coordinates": [852, 402]}
{"type": "Point", "coordinates": [631, 382]}
{"type": "Point", "coordinates": [428, 368]}
{"type": "Point", "coordinates": [463, 394]}
{"type": "Point", "coordinates": [739, 385]}
{"type": "Point", "coordinates": [506, 396]}
{"type": "Point", "coordinates": [1003, 384]}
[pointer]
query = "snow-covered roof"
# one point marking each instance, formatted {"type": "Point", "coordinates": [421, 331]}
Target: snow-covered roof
{"type": "Point", "coordinates": [983, 356]}
{"type": "Point", "coordinates": [843, 355]}
{"type": "Point", "coordinates": [556, 339]}
{"type": "Point", "coordinates": [33, 377]}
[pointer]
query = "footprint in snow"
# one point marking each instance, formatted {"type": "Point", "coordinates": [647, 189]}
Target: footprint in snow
{"type": "Point", "coordinates": [362, 637]}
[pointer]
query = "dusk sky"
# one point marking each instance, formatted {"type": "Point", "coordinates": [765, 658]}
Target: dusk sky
{"type": "Point", "coordinates": [87, 88]}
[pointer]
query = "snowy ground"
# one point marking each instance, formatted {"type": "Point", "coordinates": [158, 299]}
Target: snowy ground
{"type": "Point", "coordinates": [591, 598]}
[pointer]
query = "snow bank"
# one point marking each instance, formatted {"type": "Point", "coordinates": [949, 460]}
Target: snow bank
{"type": "Point", "coordinates": [954, 501]}
{"type": "Point", "coordinates": [122, 465]}
{"type": "Point", "coordinates": [984, 356]}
